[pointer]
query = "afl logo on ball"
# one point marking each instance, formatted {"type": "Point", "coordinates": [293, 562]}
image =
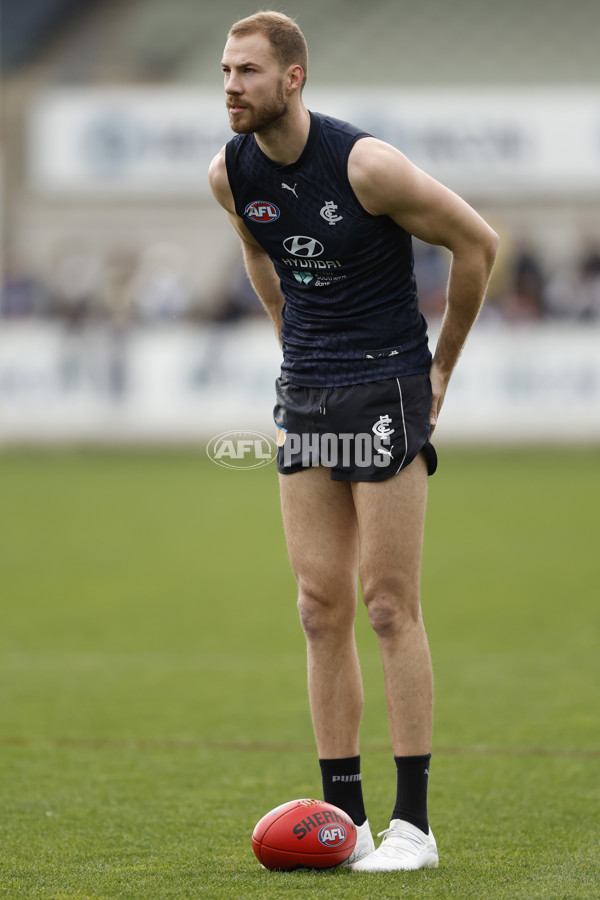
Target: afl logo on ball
{"type": "Point", "coordinates": [332, 835]}
{"type": "Point", "coordinates": [261, 211]}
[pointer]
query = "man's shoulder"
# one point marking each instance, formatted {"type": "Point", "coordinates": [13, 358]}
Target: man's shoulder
{"type": "Point", "coordinates": [340, 126]}
{"type": "Point", "coordinates": [218, 179]}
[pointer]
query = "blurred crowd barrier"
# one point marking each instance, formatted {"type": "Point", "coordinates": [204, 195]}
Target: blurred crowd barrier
{"type": "Point", "coordinates": [176, 384]}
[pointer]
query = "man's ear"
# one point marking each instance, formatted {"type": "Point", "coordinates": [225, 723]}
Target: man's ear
{"type": "Point", "coordinates": [295, 77]}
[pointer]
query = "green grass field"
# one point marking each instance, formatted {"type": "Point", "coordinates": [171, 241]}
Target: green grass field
{"type": "Point", "coordinates": [152, 689]}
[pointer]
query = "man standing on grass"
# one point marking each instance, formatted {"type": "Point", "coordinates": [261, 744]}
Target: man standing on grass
{"type": "Point", "coordinates": [326, 213]}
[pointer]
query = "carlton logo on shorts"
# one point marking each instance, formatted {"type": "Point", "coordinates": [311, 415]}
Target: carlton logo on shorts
{"type": "Point", "coordinates": [332, 835]}
{"type": "Point", "coordinates": [262, 211]}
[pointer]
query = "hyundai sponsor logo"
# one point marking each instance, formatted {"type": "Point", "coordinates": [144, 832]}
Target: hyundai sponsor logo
{"type": "Point", "coordinates": [301, 245]}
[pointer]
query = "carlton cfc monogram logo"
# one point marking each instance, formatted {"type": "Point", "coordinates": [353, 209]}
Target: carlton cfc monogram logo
{"type": "Point", "coordinates": [381, 427]}
{"type": "Point", "coordinates": [261, 211]}
{"type": "Point", "coordinates": [329, 212]}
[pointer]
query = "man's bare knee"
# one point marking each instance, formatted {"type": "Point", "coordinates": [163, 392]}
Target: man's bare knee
{"type": "Point", "coordinates": [323, 614]}
{"type": "Point", "coordinates": [391, 608]}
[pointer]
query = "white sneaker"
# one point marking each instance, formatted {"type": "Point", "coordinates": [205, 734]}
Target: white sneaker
{"type": "Point", "coordinates": [365, 845]}
{"type": "Point", "coordinates": [404, 847]}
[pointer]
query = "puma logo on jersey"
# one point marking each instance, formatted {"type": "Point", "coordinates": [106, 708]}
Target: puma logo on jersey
{"type": "Point", "coordinates": [288, 188]}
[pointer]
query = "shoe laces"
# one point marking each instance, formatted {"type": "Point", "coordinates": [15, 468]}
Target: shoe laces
{"type": "Point", "coordinates": [396, 831]}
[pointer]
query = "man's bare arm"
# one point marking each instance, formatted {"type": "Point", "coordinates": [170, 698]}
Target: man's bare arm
{"type": "Point", "coordinates": [387, 183]}
{"type": "Point", "coordinates": [265, 282]}
{"type": "Point", "coordinates": [259, 267]}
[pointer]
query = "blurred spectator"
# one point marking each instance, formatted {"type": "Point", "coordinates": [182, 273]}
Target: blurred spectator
{"type": "Point", "coordinates": [116, 293]}
{"type": "Point", "coordinates": [524, 301]}
{"type": "Point", "coordinates": [160, 285]}
{"type": "Point", "coordinates": [22, 295]}
{"type": "Point", "coordinates": [588, 289]}
{"type": "Point", "coordinates": [75, 281]}
{"type": "Point", "coordinates": [239, 298]}
{"type": "Point", "coordinates": [432, 265]}
{"type": "Point", "coordinates": [118, 305]}
{"type": "Point", "coordinates": [561, 300]}
{"type": "Point", "coordinates": [574, 292]}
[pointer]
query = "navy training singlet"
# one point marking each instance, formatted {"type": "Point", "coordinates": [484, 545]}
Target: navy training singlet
{"type": "Point", "coordinates": [351, 310]}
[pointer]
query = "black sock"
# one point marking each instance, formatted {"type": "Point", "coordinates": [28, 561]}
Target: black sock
{"type": "Point", "coordinates": [342, 786]}
{"type": "Point", "coordinates": [411, 794]}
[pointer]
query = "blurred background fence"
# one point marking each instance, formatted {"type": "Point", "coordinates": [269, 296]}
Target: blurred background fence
{"type": "Point", "coordinates": [125, 315]}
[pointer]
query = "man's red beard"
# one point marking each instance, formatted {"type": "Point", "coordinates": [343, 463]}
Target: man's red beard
{"type": "Point", "coordinates": [258, 119]}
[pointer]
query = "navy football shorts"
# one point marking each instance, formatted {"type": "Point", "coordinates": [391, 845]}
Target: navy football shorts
{"type": "Point", "coordinates": [362, 432]}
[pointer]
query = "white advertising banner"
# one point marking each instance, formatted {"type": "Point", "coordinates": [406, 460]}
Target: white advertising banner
{"type": "Point", "coordinates": [125, 140]}
{"type": "Point", "coordinates": [160, 140]}
{"type": "Point", "coordinates": [538, 385]}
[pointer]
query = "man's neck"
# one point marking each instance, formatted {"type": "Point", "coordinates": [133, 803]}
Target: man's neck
{"type": "Point", "coordinates": [285, 140]}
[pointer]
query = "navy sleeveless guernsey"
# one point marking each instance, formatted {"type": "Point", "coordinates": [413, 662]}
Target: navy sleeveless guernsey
{"type": "Point", "coordinates": [351, 312]}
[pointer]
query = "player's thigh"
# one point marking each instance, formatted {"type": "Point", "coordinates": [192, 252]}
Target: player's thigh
{"type": "Point", "coordinates": [321, 531]}
{"type": "Point", "coordinates": [391, 520]}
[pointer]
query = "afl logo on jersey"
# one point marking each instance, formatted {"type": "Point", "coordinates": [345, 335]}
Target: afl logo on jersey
{"type": "Point", "coordinates": [261, 211]}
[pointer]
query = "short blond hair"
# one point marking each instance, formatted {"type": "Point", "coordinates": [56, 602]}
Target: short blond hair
{"type": "Point", "coordinates": [284, 35]}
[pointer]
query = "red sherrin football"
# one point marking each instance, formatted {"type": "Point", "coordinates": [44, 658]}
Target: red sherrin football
{"type": "Point", "coordinates": [304, 833]}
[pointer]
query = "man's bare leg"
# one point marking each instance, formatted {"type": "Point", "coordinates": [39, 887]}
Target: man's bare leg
{"type": "Point", "coordinates": [391, 518]}
{"type": "Point", "coordinates": [322, 538]}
